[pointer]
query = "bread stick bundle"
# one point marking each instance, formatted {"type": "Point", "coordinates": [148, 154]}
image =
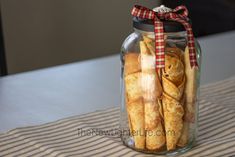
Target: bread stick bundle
{"type": "Point", "coordinates": [134, 100]}
{"type": "Point", "coordinates": [152, 91]}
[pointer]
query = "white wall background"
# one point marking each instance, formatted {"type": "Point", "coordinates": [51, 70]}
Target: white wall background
{"type": "Point", "coordinates": [42, 33]}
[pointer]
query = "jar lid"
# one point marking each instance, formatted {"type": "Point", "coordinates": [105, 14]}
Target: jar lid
{"type": "Point", "coordinates": [148, 25]}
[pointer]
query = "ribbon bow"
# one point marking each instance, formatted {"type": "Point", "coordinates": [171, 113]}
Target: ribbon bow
{"type": "Point", "coordinates": [179, 14]}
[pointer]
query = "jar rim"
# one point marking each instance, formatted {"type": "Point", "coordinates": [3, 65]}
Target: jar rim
{"type": "Point", "coordinates": [148, 25]}
{"type": "Point", "coordinates": [151, 33]}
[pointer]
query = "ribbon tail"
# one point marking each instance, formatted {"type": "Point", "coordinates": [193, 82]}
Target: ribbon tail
{"type": "Point", "coordinates": [193, 58]}
{"type": "Point", "coordinates": [159, 44]}
{"type": "Point", "coordinates": [191, 43]}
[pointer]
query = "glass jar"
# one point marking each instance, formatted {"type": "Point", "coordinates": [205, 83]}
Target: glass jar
{"type": "Point", "coordinates": [159, 108]}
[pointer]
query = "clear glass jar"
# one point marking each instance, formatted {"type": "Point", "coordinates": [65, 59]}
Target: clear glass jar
{"type": "Point", "coordinates": [159, 108]}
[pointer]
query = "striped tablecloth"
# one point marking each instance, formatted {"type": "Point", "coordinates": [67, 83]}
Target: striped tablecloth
{"type": "Point", "coordinates": [66, 137]}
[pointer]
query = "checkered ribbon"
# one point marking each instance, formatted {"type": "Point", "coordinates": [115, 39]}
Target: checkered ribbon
{"type": "Point", "coordinates": [179, 14]}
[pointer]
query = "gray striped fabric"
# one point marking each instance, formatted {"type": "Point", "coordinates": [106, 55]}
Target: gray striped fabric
{"type": "Point", "coordinates": [76, 136]}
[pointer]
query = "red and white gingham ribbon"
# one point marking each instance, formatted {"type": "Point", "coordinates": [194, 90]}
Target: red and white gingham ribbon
{"type": "Point", "coordinates": [179, 14]}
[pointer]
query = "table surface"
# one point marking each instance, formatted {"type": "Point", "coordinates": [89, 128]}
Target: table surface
{"type": "Point", "coordinates": [50, 94]}
{"type": "Point", "coordinates": [96, 134]}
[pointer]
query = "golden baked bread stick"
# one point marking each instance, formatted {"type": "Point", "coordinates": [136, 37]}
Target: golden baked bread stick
{"type": "Point", "coordinates": [155, 136]}
{"type": "Point", "coordinates": [173, 118]}
{"type": "Point", "coordinates": [184, 135]}
{"type": "Point", "coordinates": [151, 87]}
{"type": "Point", "coordinates": [173, 81]}
{"type": "Point", "coordinates": [190, 88]}
{"type": "Point", "coordinates": [133, 86]}
{"type": "Point", "coordinates": [190, 98]}
{"type": "Point", "coordinates": [136, 114]}
{"type": "Point", "coordinates": [132, 63]}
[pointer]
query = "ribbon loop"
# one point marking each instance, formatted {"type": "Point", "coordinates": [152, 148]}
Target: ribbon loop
{"type": "Point", "coordinates": [179, 14]}
{"type": "Point", "coordinates": [181, 10]}
{"type": "Point", "coordinates": [143, 12]}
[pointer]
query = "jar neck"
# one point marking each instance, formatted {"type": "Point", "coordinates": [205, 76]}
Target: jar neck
{"type": "Point", "coordinates": [181, 34]}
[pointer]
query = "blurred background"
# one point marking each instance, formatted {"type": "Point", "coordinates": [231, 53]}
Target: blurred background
{"type": "Point", "coordinates": [43, 33]}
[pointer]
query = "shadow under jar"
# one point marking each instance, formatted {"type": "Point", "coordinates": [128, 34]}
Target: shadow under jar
{"type": "Point", "coordinates": [159, 108]}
